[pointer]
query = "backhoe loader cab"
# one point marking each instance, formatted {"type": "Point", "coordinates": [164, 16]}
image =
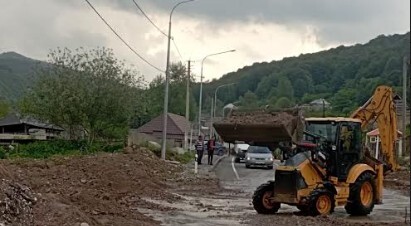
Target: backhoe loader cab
{"type": "Point", "coordinates": [332, 174]}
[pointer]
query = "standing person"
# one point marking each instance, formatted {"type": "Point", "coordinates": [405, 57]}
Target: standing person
{"type": "Point", "coordinates": [210, 148]}
{"type": "Point", "coordinates": [200, 149]}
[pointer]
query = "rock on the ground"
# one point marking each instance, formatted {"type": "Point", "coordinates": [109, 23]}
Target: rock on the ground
{"type": "Point", "coordinates": [16, 203]}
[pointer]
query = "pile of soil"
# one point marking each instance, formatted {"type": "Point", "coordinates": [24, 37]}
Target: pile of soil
{"type": "Point", "coordinates": [263, 117]}
{"type": "Point", "coordinates": [103, 189]}
{"type": "Point", "coordinates": [261, 126]}
{"type": "Point", "coordinates": [399, 180]}
{"type": "Point", "coordinates": [16, 203]}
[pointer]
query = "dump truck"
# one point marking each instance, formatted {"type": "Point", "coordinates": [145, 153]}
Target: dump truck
{"type": "Point", "coordinates": [331, 167]}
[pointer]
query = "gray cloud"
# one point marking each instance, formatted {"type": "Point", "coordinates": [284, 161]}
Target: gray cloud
{"type": "Point", "coordinates": [348, 21]}
{"type": "Point", "coordinates": [33, 27]}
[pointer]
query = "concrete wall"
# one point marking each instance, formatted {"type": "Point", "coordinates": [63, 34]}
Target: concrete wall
{"type": "Point", "coordinates": [135, 137]}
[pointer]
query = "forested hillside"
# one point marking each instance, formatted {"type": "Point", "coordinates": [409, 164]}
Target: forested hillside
{"type": "Point", "coordinates": [344, 76]}
{"type": "Point", "coordinates": [16, 74]}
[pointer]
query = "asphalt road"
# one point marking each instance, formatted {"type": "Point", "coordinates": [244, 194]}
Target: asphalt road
{"type": "Point", "coordinates": [236, 176]}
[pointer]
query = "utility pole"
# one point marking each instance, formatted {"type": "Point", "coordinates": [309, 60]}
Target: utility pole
{"type": "Point", "coordinates": [211, 118]}
{"type": "Point", "coordinates": [187, 107]}
{"type": "Point", "coordinates": [404, 106]}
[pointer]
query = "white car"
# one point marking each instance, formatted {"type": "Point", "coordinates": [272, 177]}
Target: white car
{"type": "Point", "coordinates": [240, 151]}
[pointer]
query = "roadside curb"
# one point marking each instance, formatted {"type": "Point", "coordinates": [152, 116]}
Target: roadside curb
{"type": "Point", "coordinates": [216, 163]}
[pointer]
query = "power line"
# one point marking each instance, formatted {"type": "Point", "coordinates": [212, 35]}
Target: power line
{"type": "Point", "coordinates": [178, 51]}
{"type": "Point", "coordinates": [148, 18]}
{"type": "Point", "coordinates": [118, 36]}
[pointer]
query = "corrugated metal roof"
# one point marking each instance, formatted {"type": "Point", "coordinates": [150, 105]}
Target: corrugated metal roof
{"type": "Point", "coordinates": [176, 124]}
{"type": "Point", "coordinates": [15, 119]}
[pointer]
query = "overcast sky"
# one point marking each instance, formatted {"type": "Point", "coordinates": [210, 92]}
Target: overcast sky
{"type": "Point", "coordinates": [259, 30]}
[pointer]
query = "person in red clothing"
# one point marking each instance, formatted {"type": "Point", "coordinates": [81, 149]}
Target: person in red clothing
{"type": "Point", "coordinates": [210, 148]}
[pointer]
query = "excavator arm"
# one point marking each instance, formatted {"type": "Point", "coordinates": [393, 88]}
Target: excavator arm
{"type": "Point", "coordinates": [380, 107]}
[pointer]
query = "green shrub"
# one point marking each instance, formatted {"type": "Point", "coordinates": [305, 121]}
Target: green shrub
{"type": "Point", "coordinates": [3, 154]}
{"type": "Point", "coordinates": [46, 149]}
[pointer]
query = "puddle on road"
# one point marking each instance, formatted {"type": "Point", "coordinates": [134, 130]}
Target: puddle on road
{"type": "Point", "coordinates": [201, 211]}
{"type": "Point", "coordinates": [228, 209]}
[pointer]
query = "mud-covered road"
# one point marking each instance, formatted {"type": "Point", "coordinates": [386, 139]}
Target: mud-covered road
{"type": "Point", "coordinates": [231, 205]}
{"type": "Point", "coordinates": [393, 210]}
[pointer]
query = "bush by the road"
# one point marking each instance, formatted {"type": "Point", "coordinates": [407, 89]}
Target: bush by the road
{"type": "Point", "coordinates": [46, 149]}
{"type": "Point", "coordinates": [184, 158]}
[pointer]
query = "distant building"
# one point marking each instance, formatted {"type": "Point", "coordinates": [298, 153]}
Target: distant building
{"type": "Point", "coordinates": [399, 106]}
{"type": "Point", "coordinates": [153, 131]}
{"type": "Point", "coordinates": [16, 129]}
{"type": "Point", "coordinates": [319, 104]}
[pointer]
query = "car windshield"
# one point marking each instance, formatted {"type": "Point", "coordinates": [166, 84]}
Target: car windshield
{"type": "Point", "coordinates": [255, 149]}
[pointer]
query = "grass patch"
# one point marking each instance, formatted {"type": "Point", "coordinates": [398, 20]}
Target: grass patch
{"type": "Point", "coordinates": [184, 158]}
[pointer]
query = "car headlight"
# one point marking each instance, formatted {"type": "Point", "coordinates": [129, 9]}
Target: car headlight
{"type": "Point", "coordinates": [248, 158]}
{"type": "Point", "coordinates": [271, 159]}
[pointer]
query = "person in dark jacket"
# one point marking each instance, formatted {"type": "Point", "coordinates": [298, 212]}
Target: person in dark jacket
{"type": "Point", "coordinates": [199, 148]}
{"type": "Point", "coordinates": [210, 148]}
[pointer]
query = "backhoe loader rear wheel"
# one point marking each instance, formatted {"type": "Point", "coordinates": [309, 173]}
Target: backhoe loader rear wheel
{"type": "Point", "coordinates": [262, 201]}
{"type": "Point", "coordinates": [362, 195]}
{"type": "Point", "coordinates": [321, 202]}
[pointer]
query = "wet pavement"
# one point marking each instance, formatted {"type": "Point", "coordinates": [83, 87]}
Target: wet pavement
{"type": "Point", "coordinates": [233, 205]}
{"type": "Point", "coordinates": [394, 208]}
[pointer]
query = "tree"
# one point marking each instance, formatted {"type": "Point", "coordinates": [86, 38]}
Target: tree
{"type": "Point", "coordinates": [285, 89]}
{"type": "Point", "coordinates": [154, 95]}
{"type": "Point", "coordinates": [249, 101]}
{"type": "Point", "coordinates": [283, 102]}
{"type": "Point", "coordinates": [86, 90]}
{"type": "Point", "coordinates": [4, 108]}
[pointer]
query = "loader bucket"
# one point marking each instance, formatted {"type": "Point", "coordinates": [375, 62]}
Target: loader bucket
{"type": "Point", "coordinates": [260, 126]}
{"type": "Point", "coordinates": [252, 133]}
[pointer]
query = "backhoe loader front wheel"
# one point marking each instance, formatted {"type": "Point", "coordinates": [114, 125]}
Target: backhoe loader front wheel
{"type": "Point", "coordinates": [262, 199]}
{"type": "Point", "coordinates": [321, 202]}
{"type": "Point", "coordinates": [362, 195]}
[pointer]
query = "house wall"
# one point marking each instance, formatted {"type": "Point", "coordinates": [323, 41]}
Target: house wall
{"type": "Point", "coordinates": [135, 137]}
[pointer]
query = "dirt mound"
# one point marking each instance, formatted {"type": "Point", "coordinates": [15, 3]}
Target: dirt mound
{"type": "Point", "coordinates": [104, 189]}
{"type": "Point", "coordinates": [4, 174]}
{"type": "Point", "coordinates": [262, 117]}
{"type": "Point", "coordinates": [261, 126]}
{"type": "Point", "coordinates": [399, 180]}
{"type": "Point", "coordinates": [16, 203]}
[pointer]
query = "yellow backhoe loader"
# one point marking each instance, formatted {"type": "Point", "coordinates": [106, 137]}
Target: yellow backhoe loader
{"type": "Point", "coordinates": [330, 167]}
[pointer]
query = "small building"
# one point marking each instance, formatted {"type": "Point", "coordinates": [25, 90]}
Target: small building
{"type": "Point", "coordinates": [153, 131]}
{"type": "Point", "coordinates": [319, 104]}
{"type": "Point", "coordinates": [373, 141]}
{"type": "Point", "coordinates": [399, 108]}
{"type": "Point", "coordinates": [16, 129]}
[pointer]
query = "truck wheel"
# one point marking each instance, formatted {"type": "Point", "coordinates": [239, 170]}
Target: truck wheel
{"type": "Point", "coordinates": [362, 195]}
{"type": "Point", "coordinates": [261, 199]}
{"type": "Point", "coordinates": [220, 152]}
{"type": "Point", "coordinates": [302, 208]}
{"type": "Point", "coordinates": [321, 202]}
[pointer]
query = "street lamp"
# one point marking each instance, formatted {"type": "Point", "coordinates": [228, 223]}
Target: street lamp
{"type": "Point", "coordinates": [215, 103]}
{"type": "Point", "coordinates": [164, 141]}
{"type": "Point", "coordinates": [201, 86]}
